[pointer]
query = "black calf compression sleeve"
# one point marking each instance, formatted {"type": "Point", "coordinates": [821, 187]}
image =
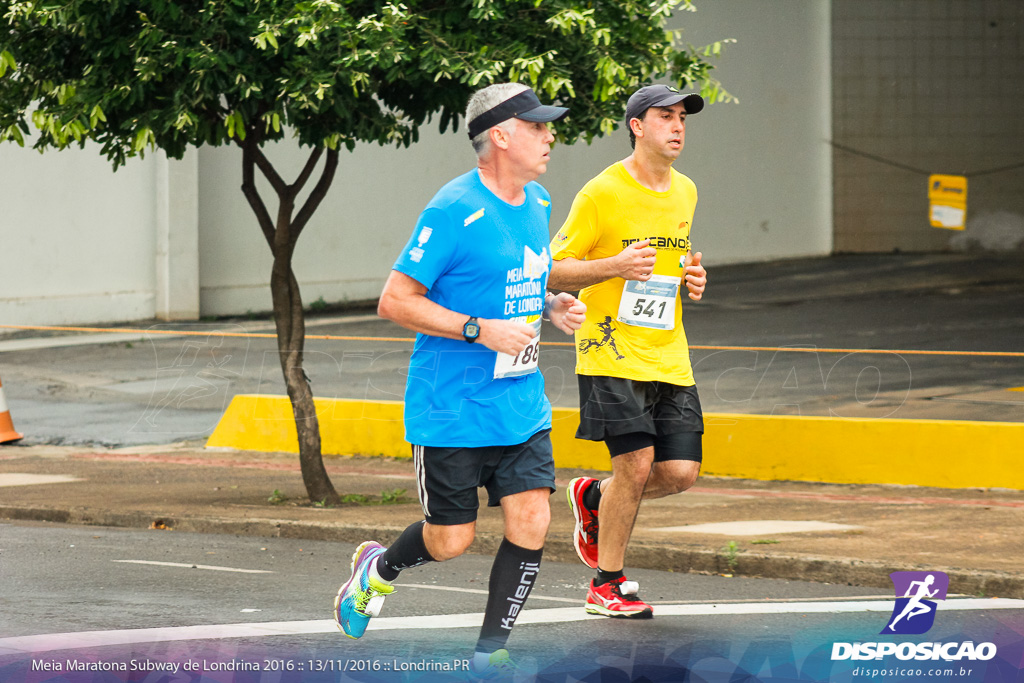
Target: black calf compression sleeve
{"type": "Point", "coordinates": [512, 577]}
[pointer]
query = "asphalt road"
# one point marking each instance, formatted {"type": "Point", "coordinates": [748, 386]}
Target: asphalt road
{"type": "Point", "coordinates": [139, 598]}
{"type": "Point", "coordinates": [151, 387]}
{"type": "Point", "coordinates": [164, 597]}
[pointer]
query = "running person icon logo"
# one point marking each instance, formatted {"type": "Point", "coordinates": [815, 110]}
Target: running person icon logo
{"type": "Point", "coordinates": [916, 592]}
{"type": "Point", "coordinates": [607, 338]}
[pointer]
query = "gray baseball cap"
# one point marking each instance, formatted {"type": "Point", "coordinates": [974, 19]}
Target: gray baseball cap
{"type": "Point", "coordinates": [660, 96]}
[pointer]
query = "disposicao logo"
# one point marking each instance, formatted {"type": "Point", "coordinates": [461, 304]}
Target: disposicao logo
{"type": "Point", "coordinates": [916, 593]}
{"type": "Point", "coordinates": [914, 614]}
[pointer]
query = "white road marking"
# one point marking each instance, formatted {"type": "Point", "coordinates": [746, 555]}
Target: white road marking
{"type": "Point", "coordinates": [831, 607]}
{"type": "Point", "coordinates": [148, 387]}
{"type": "Point", "coordinates": [580, 600]}
{"type": "Point", "coordinates": [70, 340]}
{"type": "Point", "coordinates": [85, 639]}
{"type": "Point", "coordinates": [480, 591]}
{"type": "Point", "coordinates": [21, 479]}
{"type": "Point", "coordinates": [114, 337]}
{"type": "Point", "coordinates": [196, 566]}
{"type": "Point", "coordinates": [850, 598]}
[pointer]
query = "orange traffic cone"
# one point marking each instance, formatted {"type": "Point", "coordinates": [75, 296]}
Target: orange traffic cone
{"type": "Point", "coordinates": [7, 432]}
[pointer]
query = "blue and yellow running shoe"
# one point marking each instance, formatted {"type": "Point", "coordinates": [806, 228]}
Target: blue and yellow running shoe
{"type": "Point", "coordinates": [363, 596]}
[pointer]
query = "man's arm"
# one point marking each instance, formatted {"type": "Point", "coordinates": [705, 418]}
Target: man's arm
{"type": "Point", "coordinates": [565, 311]}
{"type": "Point", "coordinates": [635, 262]}
{"type": "Point", "coordinates": [404, 301]}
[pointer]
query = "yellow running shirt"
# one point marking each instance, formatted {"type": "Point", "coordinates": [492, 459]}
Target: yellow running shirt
{"type": "Point", "coordinates": [633, 330]}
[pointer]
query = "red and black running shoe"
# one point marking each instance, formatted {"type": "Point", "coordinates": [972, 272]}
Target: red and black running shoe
{"type": "Point", "coordinates": [584, 537]}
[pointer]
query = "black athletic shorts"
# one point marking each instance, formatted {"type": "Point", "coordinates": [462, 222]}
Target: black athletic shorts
{"type": "Point", "coordinates": [628, 415]}
{"type": "Point", "coordinates": [447, 479]}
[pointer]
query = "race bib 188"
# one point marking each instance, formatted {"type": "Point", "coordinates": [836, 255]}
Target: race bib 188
{"type": "Point", "coordinates": [524, 362]}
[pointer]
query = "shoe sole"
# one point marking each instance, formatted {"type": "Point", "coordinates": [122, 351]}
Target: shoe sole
{"type": "Point", "coordinates": [341, 591]}
{"type": "Point", "coordinates": [647, 613]}
{"type": "Point", "coordinates": [578, 529]}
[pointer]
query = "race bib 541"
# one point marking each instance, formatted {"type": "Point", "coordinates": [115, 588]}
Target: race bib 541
{"type": "Point", "coordinates": [651, 303]}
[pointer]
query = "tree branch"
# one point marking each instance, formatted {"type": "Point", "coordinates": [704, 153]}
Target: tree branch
{"type": "Point", "coordinates": [317, 195]}
{"type": "Point", "coordinates": [252, 194]}
{"type": "Point", "coordinates": [307, 170]}
{"type": "Point", "coordinates": [267, 169]}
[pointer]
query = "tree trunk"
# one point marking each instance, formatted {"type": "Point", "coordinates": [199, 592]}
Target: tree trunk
{"type": "Point", "coordinates": [281, 236]}
{"type": "Point", "coordinates": [291, 340]}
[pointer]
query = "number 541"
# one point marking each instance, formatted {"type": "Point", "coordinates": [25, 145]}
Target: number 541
{"type": "Point", "coordinates": [639, 309]}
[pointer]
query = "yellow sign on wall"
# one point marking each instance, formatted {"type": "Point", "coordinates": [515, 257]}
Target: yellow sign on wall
{"type": "Point", "coordinates": [947, 201]}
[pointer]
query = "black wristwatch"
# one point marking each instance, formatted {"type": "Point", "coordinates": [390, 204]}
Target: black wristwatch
{"type": "Point", "coordinates": [471, 330]}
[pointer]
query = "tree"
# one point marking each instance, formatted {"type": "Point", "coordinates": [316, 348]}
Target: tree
{"type": "Point", "coordinates": [137, 75]}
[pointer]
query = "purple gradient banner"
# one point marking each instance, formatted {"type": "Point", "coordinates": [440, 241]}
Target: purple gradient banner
{"type": "Point", "coordinates": [806, 656]}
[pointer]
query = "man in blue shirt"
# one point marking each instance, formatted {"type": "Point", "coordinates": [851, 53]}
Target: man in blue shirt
{"type": "Point", "coordinates": [472, 282]}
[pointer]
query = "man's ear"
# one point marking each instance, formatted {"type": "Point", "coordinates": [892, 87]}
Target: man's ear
{"type": "Point", "coordinates": [637, 126]}
{"type": "Point", "coordinates": [499, 137]}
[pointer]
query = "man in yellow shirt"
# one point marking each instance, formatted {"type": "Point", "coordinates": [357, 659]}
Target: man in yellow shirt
{"type": "Point", "coordinates": [626, 247]}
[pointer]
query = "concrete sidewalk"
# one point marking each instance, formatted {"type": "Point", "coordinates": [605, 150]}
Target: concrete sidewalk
{"type": "Point", "coordinates": [862, 533]}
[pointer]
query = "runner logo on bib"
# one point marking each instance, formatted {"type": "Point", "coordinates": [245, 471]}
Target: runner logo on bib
{"type": "Point", "coordinates": [524, 362]}
{"type": "Point", "coordinates": [650, 304]}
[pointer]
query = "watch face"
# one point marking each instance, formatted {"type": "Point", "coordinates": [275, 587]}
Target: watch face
{"type": "Point", "coordinates": [471, 330]}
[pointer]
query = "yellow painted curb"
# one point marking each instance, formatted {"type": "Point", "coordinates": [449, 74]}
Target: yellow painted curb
{"type": "Point", "coordinates": [942, 453]}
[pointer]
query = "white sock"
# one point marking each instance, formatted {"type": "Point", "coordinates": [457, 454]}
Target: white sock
{"type": "Point", "coordinates": [373, 572]}
{"type": "Point", "coordinates": [481, 660]}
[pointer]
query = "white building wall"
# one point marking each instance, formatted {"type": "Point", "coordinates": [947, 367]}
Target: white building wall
{"type": "Point", "coordinates": [76, 239]}
{"type": "Point", "coordinates": [177, 237]}
{"type": "Point", "coordinates": [350, 243]}
{"type": "Point", "coordinates": [762, 169]}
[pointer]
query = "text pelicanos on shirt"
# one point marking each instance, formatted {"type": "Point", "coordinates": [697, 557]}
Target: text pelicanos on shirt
{"type": "Point", "coordinates": [673, 243]}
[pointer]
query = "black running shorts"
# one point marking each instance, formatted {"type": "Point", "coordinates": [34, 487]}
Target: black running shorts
{"type": "Point", "coordinates": [629, 414]}
{"type": "Point", "coordinates": [447, 479]}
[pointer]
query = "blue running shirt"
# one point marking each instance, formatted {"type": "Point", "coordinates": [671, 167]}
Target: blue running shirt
{"type": "Point", "coordinates": [479, 256]}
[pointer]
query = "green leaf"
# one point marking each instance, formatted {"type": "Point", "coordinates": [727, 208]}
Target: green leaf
{"type": "Point", "coordinates": [6, 62]}
{"type": "Point", "coordinates": [142, 137]}
{"type": "Point", "coordinates": [14, 133]}
{"type": "Point", "coordinates": [96, 115]}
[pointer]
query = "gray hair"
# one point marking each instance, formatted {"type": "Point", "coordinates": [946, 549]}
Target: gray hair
{"type": "Point", "coordinates": [485, 100]}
